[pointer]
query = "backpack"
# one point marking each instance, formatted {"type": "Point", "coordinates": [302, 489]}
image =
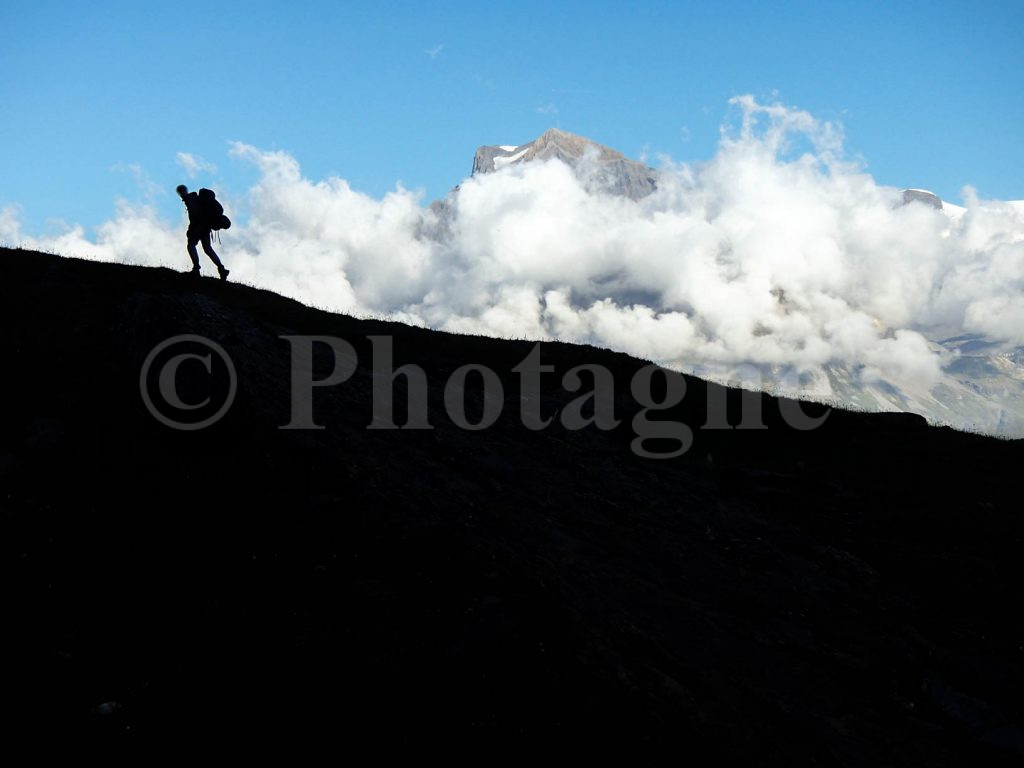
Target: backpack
{"type": "Point", "coordinates": [213, 211]}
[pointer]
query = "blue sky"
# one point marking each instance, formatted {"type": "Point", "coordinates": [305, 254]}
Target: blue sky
{"type": "Point", "coordinates": [98, 99]}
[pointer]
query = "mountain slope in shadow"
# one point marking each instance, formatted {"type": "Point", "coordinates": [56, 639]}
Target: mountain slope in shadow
{"type": "Point", "coordinates": [848, 594]}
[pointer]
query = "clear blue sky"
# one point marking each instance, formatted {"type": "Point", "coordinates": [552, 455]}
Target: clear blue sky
{"type": "Point", "coordinates": [931, 94]}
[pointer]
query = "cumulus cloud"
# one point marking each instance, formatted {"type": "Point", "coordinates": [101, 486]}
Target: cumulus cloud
{"type": "Point", "coordinates": [136, 235]}
{"type": "Point", "coordinates": [194, 165]}
{"type": "Point", "coordinates": [777, 251]}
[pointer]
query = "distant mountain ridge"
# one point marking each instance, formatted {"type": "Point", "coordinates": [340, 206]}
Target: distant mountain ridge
{"type": "Point", "coordinates": [982, 387]}
{"type": "Point", "coordinates": [602, 167]}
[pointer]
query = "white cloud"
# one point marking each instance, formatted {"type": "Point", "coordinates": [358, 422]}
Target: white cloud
{"type": "Point", "coordinates": [434, 51]}
{"type": "Point", "coordinates": [547, 109]}
{"type": "Point", "coordinates": [194, 165]}
{"type": "Point", "coordinates": [136, 235]}
{"type": "Point", "coordinates": [777, 251]}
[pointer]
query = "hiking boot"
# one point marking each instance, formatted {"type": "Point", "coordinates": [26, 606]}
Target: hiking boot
{"type": "Point", "coordinates": [194, 272]}
{"type": "Point", "coordinates": [223, 273]}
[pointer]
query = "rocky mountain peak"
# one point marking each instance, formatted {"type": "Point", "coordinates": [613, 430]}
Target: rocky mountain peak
{"type": "Point", "coordinates": [601, 168]}
{"type": "Point", "coordinates": [922, 196]}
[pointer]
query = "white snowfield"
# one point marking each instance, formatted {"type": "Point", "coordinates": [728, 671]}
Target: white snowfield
{"type": "Point", "coordinates": [956, 211]}
{"type": "Point", "coordinates": [953, 211]}
{"type": "Point", "coordinates": [501, 162]}
{"type": "Point", "coordinates": [959, 210]}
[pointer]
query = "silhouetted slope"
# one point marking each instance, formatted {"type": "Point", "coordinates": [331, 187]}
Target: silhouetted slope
{"type": "Point", "coordinates": [850, 594]}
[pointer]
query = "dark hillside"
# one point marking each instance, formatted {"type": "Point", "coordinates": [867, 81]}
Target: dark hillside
{"type": "Point", "coordinates": [849, 594]}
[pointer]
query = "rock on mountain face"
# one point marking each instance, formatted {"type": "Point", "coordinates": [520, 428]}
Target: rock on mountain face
{"type": "Point", "coordinates": [602, 168]}
{"type": "Point", "coordinates": [923, 196]}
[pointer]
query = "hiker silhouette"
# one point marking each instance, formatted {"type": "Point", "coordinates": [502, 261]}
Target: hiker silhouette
{"type": "Point", "coordinates": [201, 223]}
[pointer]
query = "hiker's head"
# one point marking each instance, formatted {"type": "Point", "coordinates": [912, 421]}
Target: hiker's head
{"type": "Point", "coordinates": [182, 191]}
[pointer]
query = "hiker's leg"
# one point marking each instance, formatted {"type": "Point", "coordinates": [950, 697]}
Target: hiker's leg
{"type": "Point", "coordinates": [193, 254]}
{"type": "Point", "coordinates": [208, 249]}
